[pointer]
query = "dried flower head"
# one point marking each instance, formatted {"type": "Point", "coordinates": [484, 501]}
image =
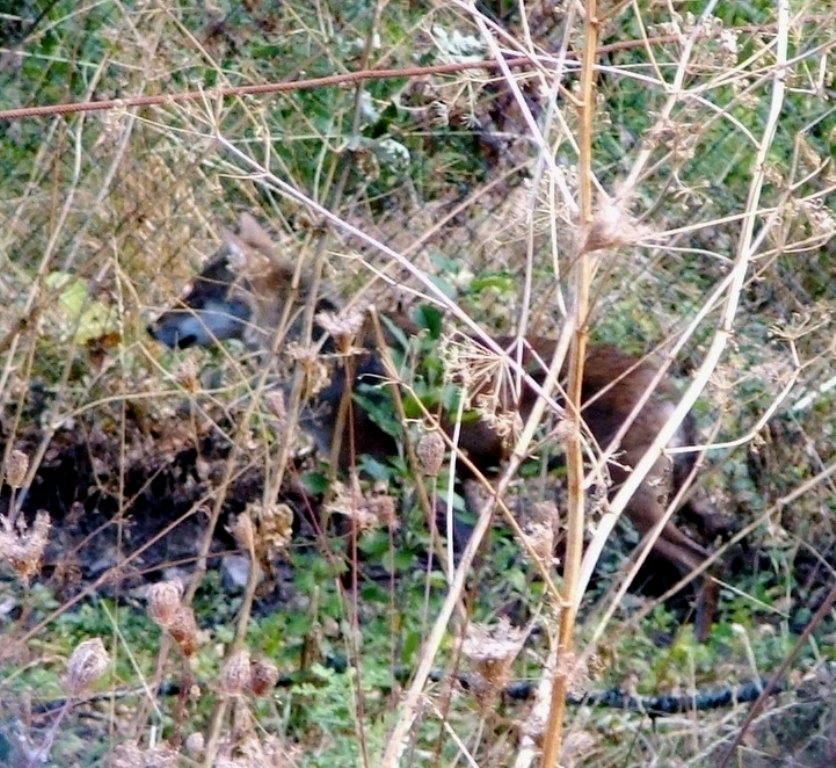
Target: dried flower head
{"type": "Point", "coordinates": [576, 670]}
{"type": "Point", "coordinates": [164, 602]}
{"type": "Point", "coordinates": [86, 665]}
{"type": "Point", "coordinates": [430, 450]}
{"type": "Point", "coordinates": [438, 114]}
{"type": "Point", "coordinates": [183, 630]}
{"type": "Point", "coordinates": [187, 376]}
{"type": "Point", "coordinates": [540, 542]}
{"type": "Point", "coordinates": [540, 529]}
{"type": "Point", "coordinates": [276, 529]}
{"type": "Point", "coordinates": [17, 465]}
{"type": "Point", "coordinates": [263, 677]}
{"type": "Point", "coordinates": [243, 732]}
{"type": "Point", "coordinates": [491, 651]}
{"type": "Point", "coordinates": [487, 384]}
{"type": "Point", "coordinates": [368, 510]}
{"type": "Point", "coordinates": [23, 549]}
{"type": "Point", "coordinates": [343, 327]}
{"type": "Point", "coordinates": [348, 500]}
{"type": "Point", "coordinates": [195, 744]}
{"type": "Point", "coordinates": [234, 679]}
{"type": "Point", "coordinates": [382, 505]}
{"type": "Point", "coordinates": [313, 367]}
{"type": "Point", "coordinates": [612, 227]}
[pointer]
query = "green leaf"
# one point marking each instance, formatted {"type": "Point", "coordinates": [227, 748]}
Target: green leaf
{"type": "Point", "coordinates": [430, 319]}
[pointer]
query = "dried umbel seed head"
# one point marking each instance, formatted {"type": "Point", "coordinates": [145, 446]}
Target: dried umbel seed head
{"type": "Point", "coordinates": [23, 549]}
{"type": "Point", "coordinates": [86, 665]}
{"type": "Point", "coordinates": [488, 385]}
{"type": "Point", "coordinates": [342, 327]}
{"type": "Point", "coordinates": [183, 630]}
{"type": "Point", "coordinates": [576, 670]}
{"type": "Point", "coordinates": [540, 542]}
{"type": "Point", "coordinates": [164, 602]}
{"type": "Point", "coordinates": [276, 527]}
{"type": "Point", "coordinates": [17, 465]}
{"type": "Point", "coordinates": [235, 676]}
{"type": "Point", "coordinates": [491, 651]}
{"type": "Point", "coordinates": [430, 450]}
{"type": "Point", "coordinates": [314, 370]}
{"type": "Point", "coordinates": [384, 508]}
{"type": "Point", "coordinates": [540, 530]}
{"type": "Point", "coordinates": [612, 227]}
{"type": "Point", "coordinates": [369, 510]}
{"type": "Point", "coordinates": [243, 731]}
{"type": "Point", "coordinates": [195, 743]}
{"type": "Point", "coordinates": [263, 677]}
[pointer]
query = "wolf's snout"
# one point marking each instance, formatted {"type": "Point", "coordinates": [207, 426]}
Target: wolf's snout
{"type": "Point", "coordinates": [212, 321]}
{"type": "Point", "coordinates": [173, 335]}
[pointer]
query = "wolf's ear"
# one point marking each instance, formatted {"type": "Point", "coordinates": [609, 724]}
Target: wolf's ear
{"type": "Point", "coordinates": [251, 254]}
{"type": "Point", "coordinates": [260, 247]}
{"type": "Point", "coordinates": [253, 234]}
{"type": "Point", "coordinates": [238, 257]}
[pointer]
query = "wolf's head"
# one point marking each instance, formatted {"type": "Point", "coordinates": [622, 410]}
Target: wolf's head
{"type": "Point", "coordinates": [241, 294]}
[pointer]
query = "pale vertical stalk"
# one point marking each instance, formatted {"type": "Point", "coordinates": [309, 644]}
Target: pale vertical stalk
{"type": "Point", "coordinates": [733, 285]}
{"type": "Point", "coordinates": [572, 588]}
{"type": "Point", "coordinates": [412, 699]}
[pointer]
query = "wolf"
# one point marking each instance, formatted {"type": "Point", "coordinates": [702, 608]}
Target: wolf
{"type": "Point", "coordinates": [248, 290]}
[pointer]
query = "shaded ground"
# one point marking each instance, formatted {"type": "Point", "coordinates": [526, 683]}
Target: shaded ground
{"type": "Point", "coordinates": [126, 507]}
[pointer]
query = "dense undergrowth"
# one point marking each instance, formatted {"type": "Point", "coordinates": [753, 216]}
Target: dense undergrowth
{"type": "Point", "coordinates": [166, 475]}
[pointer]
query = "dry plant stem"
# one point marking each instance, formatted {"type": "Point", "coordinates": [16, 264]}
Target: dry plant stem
{"type": "Point", "coordinates": [32, 308]}
{"type": "Point", "coordinates": [615, 596]}
{"type": "Point", "coordinates": [400, 732]}
{"type": "Point", "coordinates": [32, 305]}
{"type": "Point", "coordinates": [360, 76]}
{"type": "Point", "coordinates": [427, 236]}
{"type": "Point", "coordinates": [420, 477]}
{"type": "Point", "coordinates": [80, 237]}
{"type": "Point", "coordinates": [434, 293]}
{"type": "Point", "coordinates": [41, 755]}
{"type": "Point", "coordinates": [451, 483]}
{"type": "Point", "coordinates": [552, 737]}
{"type": "Point", "coordinates": [104, 579]}
{"type": "Point", "coordinates": [398, 737]}
{"type": "Point", "coordinates": [733, 284]}
{"type": "Point", "coordinates": [819, 616]}
{"type": "Point", "coordinates": [529, 749]}
{"type": "Point", "coordinates": [272, 488]}
{"type": "Point", "coordinates": [550, 384]}
{"type": "Point", "coordinates": [607, 451]}
{"type": "Point", "coordinates": [675, 90]}
{"type": "Point", "coordinates": [535, 134]}
{"type": "Point", "coordinates": [464, 752]}
{"type": "Point", "coordinates": [764, 419]}
{"type": "Point", "coordinates": [599, 540]}
{"type": "Point", "coordinates": [741, 535]}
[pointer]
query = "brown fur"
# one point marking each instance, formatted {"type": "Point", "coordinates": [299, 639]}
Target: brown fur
{"type": "Point", "coordinates": [246, 289]}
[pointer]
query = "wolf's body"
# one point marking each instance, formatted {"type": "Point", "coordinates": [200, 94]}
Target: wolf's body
{"type": "Point", "coordinates": [247, 291]}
